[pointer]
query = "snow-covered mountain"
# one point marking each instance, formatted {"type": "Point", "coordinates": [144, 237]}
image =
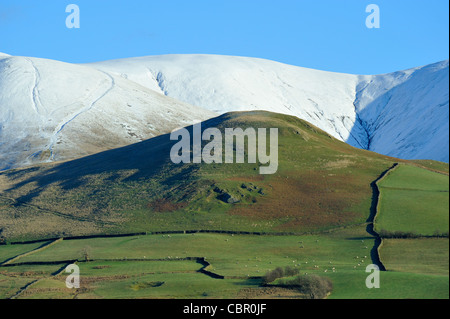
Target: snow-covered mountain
{"type": "Point", "coordinates": [226, 83]}
{"type": "Point", "coordinates": [406, 114]}
{"type": "Point", "coordinates": [51, 110]}
{"type": "Point", "coordinates": [403, 114]}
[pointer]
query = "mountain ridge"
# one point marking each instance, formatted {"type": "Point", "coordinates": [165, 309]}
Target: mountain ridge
{"type": "Point", "coordinates": [52, 111]}
{"type": "Point", "coordinates": [73, 110]}
{"type": "Point", "coordinates": [349, 109]}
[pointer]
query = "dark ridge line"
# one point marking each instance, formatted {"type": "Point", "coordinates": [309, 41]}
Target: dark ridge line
{"type": "Point", "coordinates": [43, 246]}
{"type": "Point", "coordinates": [376, 194]}
{"type": "Point", "coordinates": [206, 264]}
{"type": "Point", "coordinates": [412, 236]}
{"type": "Point", "coordinates": [170, 232]}
{"type": "Point", "coordinates": [201, 260]}
{"type": "Point", "coordinates": [22, 289]}
{"type": "Point", "coordinates": [429, 169]}
{"type": "Point", "coordinates": [374, 253]}
{"type": "Point", "coordinates": [60, 270]}
{"type": "Point", "coordinates": [40, 263]}
{"type": "Point", "coordinates": [73, 238]}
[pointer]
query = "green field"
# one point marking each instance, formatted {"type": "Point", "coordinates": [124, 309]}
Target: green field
{"type": "Point", "coordinates": [10, 251]}
{"type": "Point", "coordinates": [416, 255]}
{"type": "Point", "coordinates": [413, 201]}
{"type": "Point", "coordinates": [436, 166]}
{"type": "Point", "coordinates": [155, 266]}
{"type": "Point", "coordinates": [315, 215]}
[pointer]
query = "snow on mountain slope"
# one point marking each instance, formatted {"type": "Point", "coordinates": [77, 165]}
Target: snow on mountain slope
{"type": "Point", "coordinates": [402, 114]}
{"type": "Point", "coordinates": [226, 83]}
{"type": "Point", "coordinates": [406, 114]}
{"type": "Point", "coordinates": [52, 111]}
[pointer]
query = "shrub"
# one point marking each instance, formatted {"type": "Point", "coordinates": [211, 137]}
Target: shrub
{"type": "Point", "coordinates": [273, 275]}
{"type": "Point", "coordinates": [404, 235]}
{"type": "Point", "coordinates": [279, 272]}
{"type": "Point", "coordinates": [314, 286]}
{"type": "Point", "coordinates": [397, 234]}
{"type": "Point", "coordinates": [290, 271]}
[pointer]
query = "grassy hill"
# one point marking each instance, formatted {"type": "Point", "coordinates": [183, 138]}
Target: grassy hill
{"type": "Point", "coordinates": [321, 183]}
{"type": "Point", "coordinates": [311, 215]}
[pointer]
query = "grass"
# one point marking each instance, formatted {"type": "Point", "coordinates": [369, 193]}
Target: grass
{"type": "Point", "coordinates": [115, 272]}
{"type": "Point", "coordinates": [10, 251]}
{"type": "Point", "coordinates": [413, 200]}
{"type": "Point", "coordinates": [256, 253]}
{"type": "Point", "coordinates": [415, 178]}
{"type": "Point", "coordinates": [134, 268]}
{"type": "Point", "coordinates": [12, 279]}
{"type": "Point", "coordinates": [321, 192]}
{"type": "Point", "coordinates": [321, 184]}
{"type": "Point", "coordinates": [188, 285]}
{"type": "Point", "coordinates": [421, 256]}
{"type": "Point", "coordinates": [393, 285]}
{"type": "Point", "coordinates": [10, 285]}
{"type": "Point", "coordinates": [433, 165]}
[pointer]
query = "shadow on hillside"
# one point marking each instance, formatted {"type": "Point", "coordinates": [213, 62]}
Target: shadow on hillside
{"type": "Point", "coordinates": [399, 124]}
{"type": "Point", "coordinates": [141, 161]}
{"type": "Point", "coordinates": [146, 160]}
{"type": "Point", "coordinates": [374, 254]}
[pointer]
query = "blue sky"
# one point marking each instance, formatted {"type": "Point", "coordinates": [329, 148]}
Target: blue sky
{"type": "Point", "coordinates": [326, 34]}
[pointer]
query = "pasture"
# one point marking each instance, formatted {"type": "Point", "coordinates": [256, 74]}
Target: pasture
{"type": "Point", "coordinates": [413, 201]}
{"type": "Point", "coordinates": [165, 266]}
